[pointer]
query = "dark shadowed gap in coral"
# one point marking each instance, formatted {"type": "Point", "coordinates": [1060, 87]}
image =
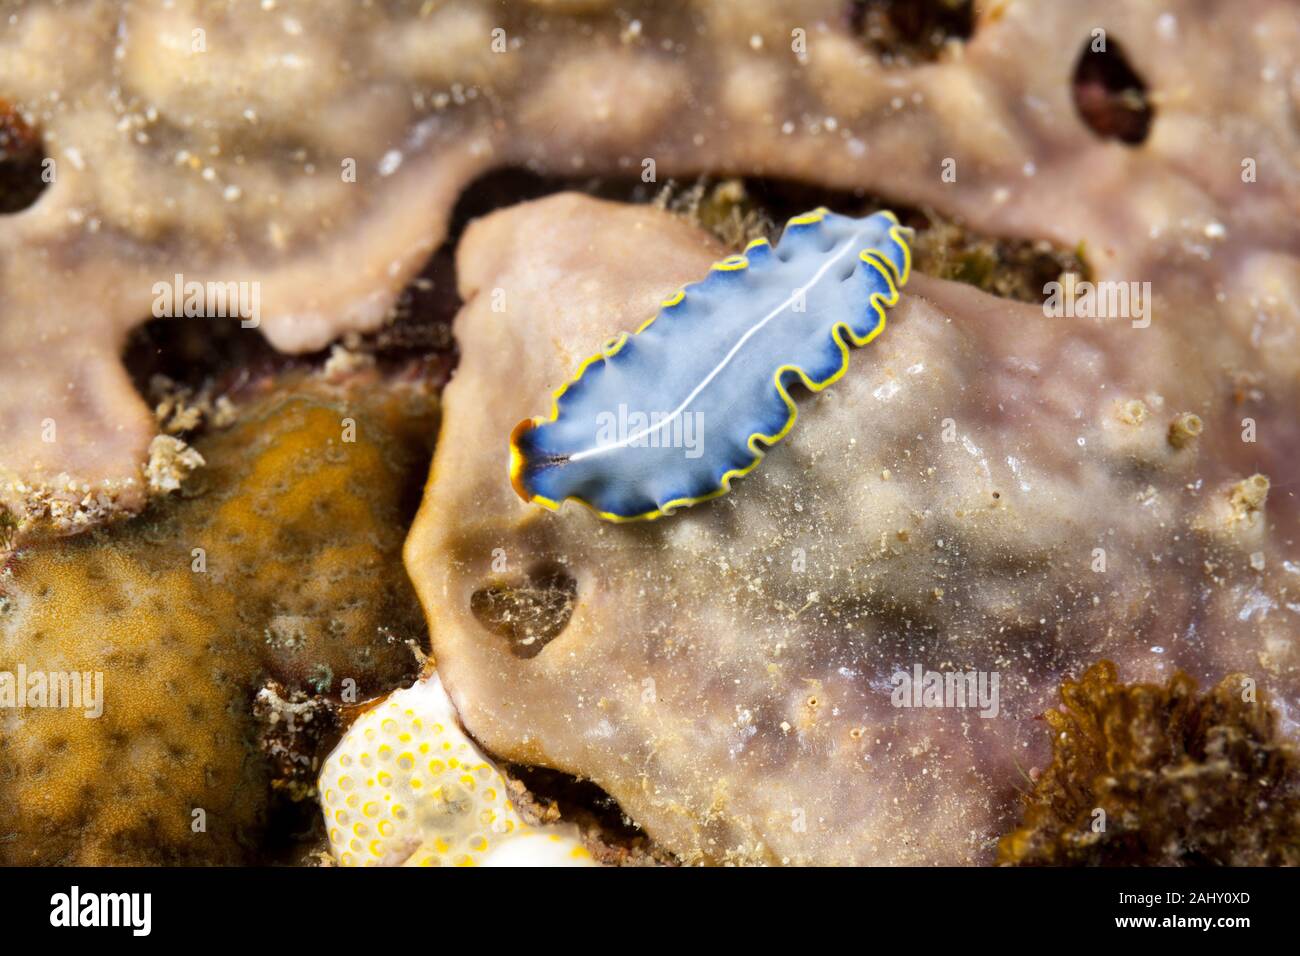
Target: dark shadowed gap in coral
{"type": "Point", "coordinates": [906, 32]}
{"type": "Point", "coordinates": [294, 749]}
{"type": "Point", "coordinates": [22, 162]}
{"type": "Point", "coordinates": [220, 355]}
{"type": "Point", "coordinates": [554, 795]}
{"type": "Point", "coordinates": [1110, 96]}
{"type": "Point", "coordinates": [737, 210]}
{"type": "Point", "coordinates": [199, 351]}
{"type": "Point", "coordinates": [945, 248]}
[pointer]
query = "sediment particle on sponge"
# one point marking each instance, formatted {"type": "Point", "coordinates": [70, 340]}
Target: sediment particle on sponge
{"type": "Point", "coordinates": [1132, 412]}
{"type": "Point", "coordinates": [674, 669]}
{"type": "Point", "coordinates": [170, 462]}
{"type": "Point", "coordinates": [1185, 429]}
{"type": "Point", "coordinates": [1248, 496]}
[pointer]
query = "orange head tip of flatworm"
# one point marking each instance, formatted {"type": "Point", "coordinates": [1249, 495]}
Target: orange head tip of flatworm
{"type": "Point", "coordinates": [517, 457]}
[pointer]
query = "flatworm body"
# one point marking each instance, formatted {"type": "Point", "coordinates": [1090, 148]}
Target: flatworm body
{"type": "Point", "coordinates": [667, 417]}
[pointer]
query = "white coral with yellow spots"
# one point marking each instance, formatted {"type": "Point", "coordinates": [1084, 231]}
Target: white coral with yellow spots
{"type": "Point", "coordinates": [406, 786]}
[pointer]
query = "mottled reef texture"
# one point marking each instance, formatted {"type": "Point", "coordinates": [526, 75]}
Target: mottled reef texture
{"type": "Point", "coordinates": [301, 583]}
{"type": "Point", "coordinates": [218, 154]}
{"type": "Point", "coordinates": [1179, 779]}
{"type": "Point", "coordinates": [725, 673]}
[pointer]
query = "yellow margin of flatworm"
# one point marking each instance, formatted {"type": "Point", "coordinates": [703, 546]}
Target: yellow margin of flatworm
{"type": "Point", "coordinates": [732, 263]}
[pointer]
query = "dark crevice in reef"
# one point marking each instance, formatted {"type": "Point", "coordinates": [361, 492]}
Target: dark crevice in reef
{"type": "Point", "coordinates": [1110, 96]}
{"type": "Point", "coordinates": [906, 32]}
{"type": "Point", "coordinates": [737, 210]}
{"type": "Point", "coordinates": [22, 162]}
{"type": "Point", "coordinates": [552, 795]}
{"type": "Point", "coordinates": [218, 357]}
{"type": "Point", "coordinates": [1017, 269]}
{"type": "Point", "coordinates": [219, 352]}
{"type": "Point", "coordinates": [198, 351]}
{"type": "Point", "coordinates": [944, 248]}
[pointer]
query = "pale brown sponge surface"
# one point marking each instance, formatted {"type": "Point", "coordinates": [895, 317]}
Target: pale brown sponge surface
{"type": "Point", "coordinates": [987, 490]}
{"type": "Point", "coordinates": [317, 147]}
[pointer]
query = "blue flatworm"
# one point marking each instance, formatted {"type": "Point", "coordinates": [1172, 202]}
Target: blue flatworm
{"type": "Point", "coordinates": [667, 417]}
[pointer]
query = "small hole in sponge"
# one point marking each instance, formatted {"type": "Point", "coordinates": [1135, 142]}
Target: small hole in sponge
{"type": "Point", "coordinates": [530, 614]}
{"type": "Point", "coordinates": [22, 162]}
{"type": "Point", "coordinates": [905, 32]}
{"type": "Point", "coordinates": [1110, 96]}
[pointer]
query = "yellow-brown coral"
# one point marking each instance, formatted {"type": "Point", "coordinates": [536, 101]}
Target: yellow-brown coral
{"type": "Point", "coordinates": [280, 558]}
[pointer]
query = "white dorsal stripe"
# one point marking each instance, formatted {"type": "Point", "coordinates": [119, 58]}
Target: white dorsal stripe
{"type": "Point", "coordinates": [754, 329]}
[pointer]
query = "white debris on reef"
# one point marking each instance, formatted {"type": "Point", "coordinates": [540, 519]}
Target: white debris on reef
{"type": "Point", "coordinates": [170, 463]}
